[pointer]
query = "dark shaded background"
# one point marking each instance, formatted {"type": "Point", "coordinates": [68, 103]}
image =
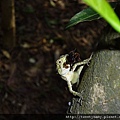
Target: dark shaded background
{"type": "Point", "coordinates": [29, 83]}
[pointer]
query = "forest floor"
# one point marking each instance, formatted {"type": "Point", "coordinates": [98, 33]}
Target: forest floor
{"type": "Point", "coordinates": [29, 83]}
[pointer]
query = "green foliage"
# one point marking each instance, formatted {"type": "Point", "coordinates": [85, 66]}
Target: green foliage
{"type": "Point", "coordinates": [105, 10]}
{"type": "Point", "coordinates": [100, 8]}
{"type": "Point", "coordinates": [86, 15]}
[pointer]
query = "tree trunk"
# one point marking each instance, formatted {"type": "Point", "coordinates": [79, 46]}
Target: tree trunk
{"type": "Point", "coordinates": [8, 23]}
{"type": "Point", "coordinates": [100, 85]}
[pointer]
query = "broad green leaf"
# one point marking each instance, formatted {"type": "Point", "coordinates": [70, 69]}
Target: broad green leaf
{"type": "Point", "coordinates": [105, 10]}
{"type": "Point", "coordinates": [87, 14]}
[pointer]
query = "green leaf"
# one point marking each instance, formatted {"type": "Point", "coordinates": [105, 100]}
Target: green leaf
{"type": "Point", "coordinates": [87, 14]}
{"type": "Point", "coordinates": [106, 11]}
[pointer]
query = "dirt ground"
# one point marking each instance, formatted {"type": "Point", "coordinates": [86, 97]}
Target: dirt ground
{"type": "Point", "coordinates": [29, 83]}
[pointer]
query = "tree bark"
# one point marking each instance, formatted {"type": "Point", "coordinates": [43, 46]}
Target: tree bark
{"type": "Point", "coordinates": [8, 23]}
{"type": "Point", "coordinates": [100, 85]}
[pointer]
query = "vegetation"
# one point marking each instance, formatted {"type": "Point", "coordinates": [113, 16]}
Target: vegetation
{"type": "Point", "coordinates": [102, 8]}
